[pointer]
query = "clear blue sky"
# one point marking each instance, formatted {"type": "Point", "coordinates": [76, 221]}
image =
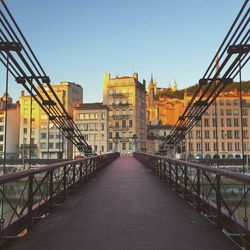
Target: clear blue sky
{"type": "Point", "coordinates": [80, 40]}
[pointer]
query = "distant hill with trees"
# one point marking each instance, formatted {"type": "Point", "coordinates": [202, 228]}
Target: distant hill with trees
{"type": "Point", "coordinates": [179, 94]}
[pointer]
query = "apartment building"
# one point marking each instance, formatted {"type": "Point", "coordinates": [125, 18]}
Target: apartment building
{"type": "Point", "coordinates": [126, 100]}
{"type": "Point", "coordinates": [164, 109]}
{"type": "Point", "coordinates": [46, 140]}
{"type": "Point", "coordinates": [12, 131]}
{"type": "Point", "coordinates": [228, 129]}
{"type": "Point", "coordinates": [92, 120]}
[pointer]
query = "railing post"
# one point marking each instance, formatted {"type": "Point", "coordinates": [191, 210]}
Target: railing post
{"type": "Point", "coordinates": [185, 182]}
{"type": "Point", "coordinates": [80, 179]}
{"type": "Point", "coordinates": [218, 202]}
{"type": "Point", "coordinates": [74, 176]}
{"type": "Point", "coordinates": [30, 202]}
{"type": "Point", "coordinates": [51, 190]}
{"type": "Point", "coordinates": [176, 178]}
{"type": "Point", "coordinates": [170, 174]}
{"type": "Point", "coordinates": [165, 171]}
{"type": "Point", "coordinates": [64, 181]}
{"type": "Point", "coordinates": [198, 186]}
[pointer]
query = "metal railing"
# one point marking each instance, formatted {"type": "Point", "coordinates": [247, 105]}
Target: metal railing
{"type": "Point", "coordinates": [30, 195]}
{"type": "Point", "coordinates": [220, 195]}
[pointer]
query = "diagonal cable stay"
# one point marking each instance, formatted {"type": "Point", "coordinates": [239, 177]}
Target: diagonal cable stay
{"type": "Point", "coordinates": [17, 55]}
{"type": "Point", "coordinates": [233, 55]}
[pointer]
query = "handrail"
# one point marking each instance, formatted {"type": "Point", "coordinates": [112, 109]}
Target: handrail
{"type": "Point", "coordinates": [220, 195]}
{"type": "Point", "coordinates": [36, 192]}
{"type": "Point", "coordinates": [26, 173]}
{"type": "Point", "coordinates": [222, 172]}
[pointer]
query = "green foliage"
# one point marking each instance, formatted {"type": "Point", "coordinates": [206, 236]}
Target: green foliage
{"type": "Point", "coordinates": [179, 94]}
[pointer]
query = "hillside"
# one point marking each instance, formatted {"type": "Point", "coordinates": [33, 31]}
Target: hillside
{"type": "Point", "coordinates": [179, 94]}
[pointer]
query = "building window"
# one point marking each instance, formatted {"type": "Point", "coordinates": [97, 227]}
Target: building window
{"type": "Point", "coordinates": [124, 123]}
{"type": "Point", "coordinates": [130, 123]}
{"type": "Point", "coordinates": [228, 102]}
{"type": "Point", "coordinates": [229, 146]}
{"type": "Point", "coordinates": [207, 146]}
{"type": "Point", "coordinates": [222, 112]}
{"type": "Point", "coordinates": [110, 146]}
{"type": "Point", "coordinates": [190, 146]}
{"type": "Point", "coordinates": [222, 134]}
{"type": "Point", "coordinates": [207, 134]}
{"type": "Point", "coordinates": [110, 135]}
{"type": "Point", "coordinates": [245, 134]}
{"type": "Point", "coordinates": [237, 146]}
{"type": "Point", "coordinates": [190, 134]}
{"type": "Point", "coordinates": [229, 122]}
{"type": "Point", "coordinates": [228, 112]}
{"type": "Point", "coordinates": [198, 134]}
{"type": "Point", "coordinates": [206, 122]}
{"type": "Point", "coordinates": [244, 112]}
{"type": "Point", "coordinates": [103, 126]}
{"type": "Point", "coordinates": [102, 148]}
{"type": "Point", "coordinates": [198, 146]}
{"type": "Point", "coordinates": [43, 145]}
{"type": "Point", "coordinates": [236, 111]}
{"type": "Point", "coordinates": [124, 146]}
{"type": "Point", "coordinates": [222, 102]}
{"type": "Point", "coordinates": [236, 122]}
{"type": "Point", "coordinates": [25, 130]}
{"type": "Point", "coordinates": [236, 102]}
{"type": "Point", "coordinates": [51, 145]}
{"type": "Point", "coordinates": [214, 134]}
{"type": "Point", "coordinates": [229, 134]}
{"type": "Point", "coordinates": [1, 138]}
{"type": "Point", "coordinates": [25, 120]}
{"type": "Point", "coordinates": [43, 135]}
{"type": "Point", "coordinates": [245, 122]}
{"type": "Point", "coordinates": [236, 134]}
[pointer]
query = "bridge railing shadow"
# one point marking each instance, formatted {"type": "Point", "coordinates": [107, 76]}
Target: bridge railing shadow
{"type": "Point", "coordinates": [222, 196]}
{"type": "Point", "coordinates": [28, 196]}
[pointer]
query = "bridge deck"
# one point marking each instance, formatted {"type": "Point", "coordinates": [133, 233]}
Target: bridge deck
{"type": "Point", "coordinates": [124, 207]}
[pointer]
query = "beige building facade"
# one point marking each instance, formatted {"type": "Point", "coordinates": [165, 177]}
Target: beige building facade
{"type": "Point", "coordinates": [126, 100]}
{"type": "Point", "coordinates": [12, 131]}
{"type": "Point", "coordinates": [229, 135]}
{"type": "Point", "coordinates": [47, 142]}
{"type": "Point", "coordinates": [92, 120]}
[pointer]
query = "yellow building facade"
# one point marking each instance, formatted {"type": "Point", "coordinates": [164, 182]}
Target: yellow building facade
{"type": "Point", "coordinates": [126, 101]}
{"type": "Point", "coordinates": [46, 140]}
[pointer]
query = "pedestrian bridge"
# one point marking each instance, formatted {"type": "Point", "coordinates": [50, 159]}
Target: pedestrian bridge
{"type": "Point", "coordinates": [82, 205]}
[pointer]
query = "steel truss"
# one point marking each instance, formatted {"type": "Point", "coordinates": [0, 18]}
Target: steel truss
{"type": "Point", "coordinates": [233, 55]}
{"type": "Point", "coordinates": [21, 62]}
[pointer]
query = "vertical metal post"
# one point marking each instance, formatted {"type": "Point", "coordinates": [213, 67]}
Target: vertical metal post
{"type": "Point", "coordinates": [218, 202]}
{"type": "Point", "coordinates": [30, 202]}
{"type": "Point", "coordinates": [176, 178]}
{"type": "Point", "coordinates": [30, 126]}
{"type": "Point", "coordinates": [202, 148]}
{"type": "Point", "coordinates": [48, 135]}
{"type": "Point", "coordinates": [51, 189]}
{"type": "Point", "coordinates": [185, 182]}
{"type": "Point", "coordinates": [170, 174]}
{"type": "Point", "coordinates": [165, 171]}
{"type": "Point", "coordinates": [65, 180]}
{"type": "Point", "coordinates": [74, 175]}
{"type": "Point", "coordinates": [6, 114]}
{"type": "Point", "coordinates": [216, 132]}
{"type": "Point", "coordinates": [198, 186]}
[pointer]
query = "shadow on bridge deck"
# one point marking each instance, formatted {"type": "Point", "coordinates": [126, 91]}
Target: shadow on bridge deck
{"type": "Point", "coordinates": [124, 207]}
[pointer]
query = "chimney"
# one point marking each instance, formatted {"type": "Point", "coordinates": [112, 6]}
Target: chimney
{"type": "Point", "coordinates": [22, 93]}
